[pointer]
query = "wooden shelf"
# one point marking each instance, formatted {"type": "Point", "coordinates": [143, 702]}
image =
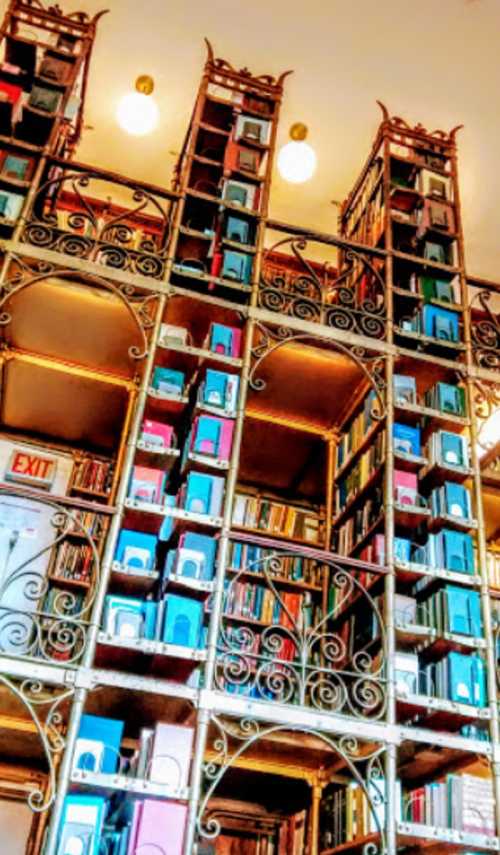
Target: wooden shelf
{"type": "Point", "coordinates": [314, 544]}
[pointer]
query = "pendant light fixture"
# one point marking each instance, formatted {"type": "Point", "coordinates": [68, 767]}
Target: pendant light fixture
{"type": "Point", "coordinates": [297, 160]}
{"type": "Point", "coordinates": [137, 112]}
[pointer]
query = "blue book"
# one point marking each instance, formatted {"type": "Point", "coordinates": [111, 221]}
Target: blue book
{"type": "Point", "coordinates": [237, 266]}
{"type": "Point", "coordinates": [203, 494]}
{"type": "Point", "coordinates": [237, 229]}
{"type": "Point", "coordinates": [167, 525]}
{"type": "Point", "coordinates": [460, 678]}
{"type": "Point", "coordinates": [237, 556]}
{"type": "Point", "coordinates": [150, 610]}
{"type": "Point", "coordinates": [221, 339]}
{"type": "Point", "coordinates": [406, 438]}
{"type": "Point", "coordinates": [458, 552]}
{"type": "Point", "coordinates": [207, 436]}
{"type": "Point", "coordinates": [168, 381]}
{"type": "Point", "coordinates": [452, 449]}
{"type": "Point", "coordinates": [458, 503]}
{"type": "Point", "coordinates": [136, 549]}
{"type": "Point", "coordinates": [220, 390]}
{"type": "Point", "coordinates": [449, 398]}
{"type": "Point", "coordinates": [195, 556]}
{"type": "Point", "coordinates": [478, 676]}
{"type": "Point", "coordinates": [463, 611]}
{"type": "Point", "coordinates": [440, 323]}
{"type": "Point", "coordinates": [402, 549]}
{"type": "Point", "coordinates": [182, 621]}
{"type": "Point", "coordinates": [109, 732]}
{"type": "Point", "coordinates": [82, 823]}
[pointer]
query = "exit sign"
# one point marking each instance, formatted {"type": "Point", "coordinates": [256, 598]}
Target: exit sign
{"type": "Point", "coordinates": [34, 470]}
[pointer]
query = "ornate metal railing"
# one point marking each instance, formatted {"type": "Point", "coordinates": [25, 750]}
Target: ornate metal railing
{"type": "Point", "coordinates": [298, 652]}
{"type": "Point", "coordinates": [484, 308]}
{"type": "Point", "coordinates": [45, 610]}
{"type": "Point", "coordinates": [233, 740]}
{"type": "Point", "coordinates": [95, 215]}
{"type": "Point", "coordinates": [345, 292]}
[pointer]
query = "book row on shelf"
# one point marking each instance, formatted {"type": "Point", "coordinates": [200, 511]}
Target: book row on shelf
{"type": "Point", "coordinates": [92, 476]}
{"type": "Point", "coordinates": [462, 802]}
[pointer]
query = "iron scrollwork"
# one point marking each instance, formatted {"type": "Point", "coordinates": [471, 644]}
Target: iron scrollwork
{"type": "Point", "coordinates": [233, 738]}
{"type": "Point", "coordinates": [44, 706]}
{"type": "Point", "coordinates": [486, 397]}
{"type": "Point", "coordinates": [100, 232]}
{"type": "Point", "coordinates": [271, 339]}
{"type": "Point", "coordinates": [41, 615]}
{"type": "Point", "coordinates": [485, 333]}
{"type": "Point", "coordinates": [302, 658]}
{"type": "Point", "coordinates": [351, 299]}
{"type": "Point", "coordinates": [139, 307]}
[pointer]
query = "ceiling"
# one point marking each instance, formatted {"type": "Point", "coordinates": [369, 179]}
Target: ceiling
{"type": "Point", "coordinates": [433, 62]}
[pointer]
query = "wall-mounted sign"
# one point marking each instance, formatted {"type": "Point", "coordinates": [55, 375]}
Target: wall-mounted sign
{"type": "Point", "coordinates": [33, 470]}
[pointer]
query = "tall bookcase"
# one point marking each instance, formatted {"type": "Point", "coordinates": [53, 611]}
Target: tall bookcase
{"type": "Point", "coordinates": [249, 489]}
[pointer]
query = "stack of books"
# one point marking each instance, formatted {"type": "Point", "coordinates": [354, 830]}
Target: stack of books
{"type": "Point", "coordinates": [462, 802]}
{"type": "Point", "coordinates": [268, 515]}
{"type": "Point", "coordinates": [354, 435]}
{"type": "Point", "coordinates": [93, 476]}
{"type": "Point", "coordinates": [295, 568]}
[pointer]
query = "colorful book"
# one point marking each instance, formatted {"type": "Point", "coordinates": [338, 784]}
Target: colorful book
{"type": "Point", "coordinates": [136, 549]}
{"type": "Point", "coordinates": [406, 438]}
{"type": "Point", "coordinates": [182, 622]}
{"type": "Point", "coordinates": [225, 340]}
{"type": "Point", "coordinates": [157, 827]}
{"type": "Point", "coordinates": [98, 743]}
{"type": "Point", "coordinates": [220, 390]}
{"type": "Point", "coordinates": [158, 434]}
{"type": "Point", "coordinates": [168, 381]}
{"type": "Point", "coordinates": [82, 824]}
{"type": "Point", "coordinates": [171, 755]}
{"type": "Point", "coordinates": [147, 485]}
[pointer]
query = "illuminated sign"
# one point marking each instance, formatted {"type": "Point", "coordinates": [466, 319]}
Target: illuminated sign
{"type": "Point", "coordinates": [34, 470]}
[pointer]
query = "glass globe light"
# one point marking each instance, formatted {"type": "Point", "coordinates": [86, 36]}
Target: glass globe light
{"type": "Point", "coordinates": [297, 162]}
{"type": "Point", "coordinates": [137, 112]}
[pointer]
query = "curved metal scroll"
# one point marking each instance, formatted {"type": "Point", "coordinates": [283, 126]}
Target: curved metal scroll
{"type": "Point", "coordinates": [138, 307]}
{"type": "Point", "coordinates": [247, 732]}
{"type": "Point", "coordinates": [301, 658]}
{"type": "Point", "coordinates": [35, 622]}
{"type": "Point", "coordinates": [352, 300]}
{"type": "Point", "coordinates": [91, 232]}
{"type": "Point", "coordinates": [371, 365]}
{"type": "Point", "coordinates": [43, 707]}
{"type": "Point", "coordinates": [486, 400]}
{"type": "Point", "coordinates": [485, 332]}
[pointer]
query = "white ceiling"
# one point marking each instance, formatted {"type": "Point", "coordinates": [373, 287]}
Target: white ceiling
{"type": "Point", "coordinates": [433, 61]}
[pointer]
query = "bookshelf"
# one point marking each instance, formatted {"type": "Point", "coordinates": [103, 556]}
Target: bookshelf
{"type": "Point", "coordinates": [263, 607]}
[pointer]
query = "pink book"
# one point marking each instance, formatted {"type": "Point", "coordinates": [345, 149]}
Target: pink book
{"type": "Point", "coordinates": [379, 549]}
{"type": "Point", "coordinates": [405, 487]}
{"type": "Point", "coordinates": [226, 440]}
{"type": "Point", "coordinates": [236, 342]}
{"type": "Point", "coordinates": [158, 433]}
{"type": "Point", "coordinates": [157, 827]}
{"type": "Point", "coordinates": [171, 755]}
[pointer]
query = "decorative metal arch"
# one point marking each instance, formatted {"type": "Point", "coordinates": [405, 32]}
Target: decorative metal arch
{"type": "Point", "coordinates": [485, 333]}
{"type": "Point", "coordinates": [138, 306]}
{"type": "Point", "coordinates": [486, 401]}
{"type": "Point", "coordinates": [337, 302]}
{"type": "Point", "coordinates": [298, 658]}
{"type": "Point", "coordinates": [30, 626]}
{"type": "Point", "coordinates": [43, 707]}
{"type": "Point", "coordinates": [272, 339]}
{"type": "Point", "coordinates": [94, 234]}
{"type": "Point", "coordinates": [249, 731]}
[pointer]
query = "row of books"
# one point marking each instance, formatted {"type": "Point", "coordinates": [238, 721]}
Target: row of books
{"type": "Point", "coordinates": [274, 517]}
{"type": "Point", "coordinates": [256, 559]}
{"type": "Point", "coordinates": [91, 824]}
{"type": "Point", "coordinates": [463, 802]}
{"type": "Point", "coordinates": [163, 755]}
{"type": "Point", "coordinates": [356, 527]}
{"type": "Point", "coordinates": [434, 322]}
{"type": "Point", "coordinates": [93, 524]}
{"type": "Point", "coordinates": [456, 677]}
{"type": "Point", "coordinates": [93, 475]}
{"type": "Point", "coordinates": [74, 562]}
{"type": "Point", "coordinates": [173, 619]}
{"type": "Point", "coordinates": [358, 476]}
{"type": "Point", "coordinates": [444, 397]}
{"type": "Point", "coordinates": [355, 433]}
{"type": "Point", "coordinates": [260, 603]}
{"type": "Point", "coordinates": [431, 288]}
{"type": "Point", "coordinates": [349, 813]}
{"type": "Point", "coordinates": [359, 202]}
{"type": "Point", "coordinates": [428, 213]}
{"type": "Point", "coordinates": [452, 609]}
{"type": "Point", "coordinates": [193, 558]}
{"type": "Point", "coordinates": [200, 494]}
